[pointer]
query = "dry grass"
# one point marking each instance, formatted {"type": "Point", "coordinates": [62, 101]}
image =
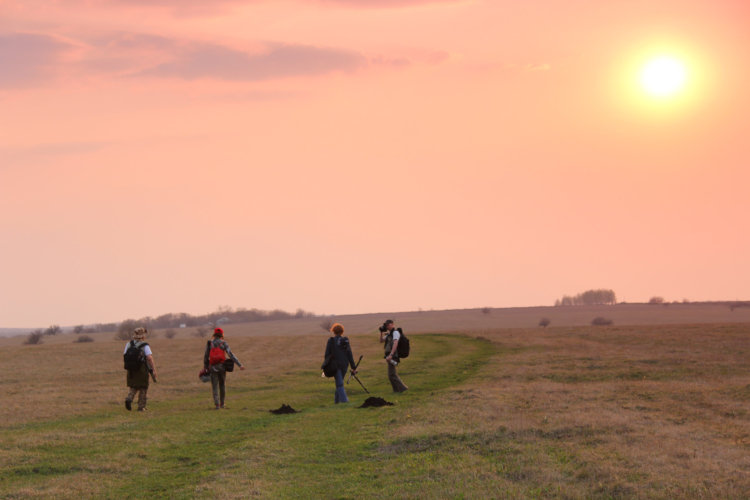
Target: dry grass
{"type": "Point", "coordinates": [462, 320]}
{"type": "Point", "coordinates": [585, 412]}
{"type": "Point", "coordinates": [618, 412]}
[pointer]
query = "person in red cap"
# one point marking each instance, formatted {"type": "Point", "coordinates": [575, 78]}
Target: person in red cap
{"type": "Point", "coordinates": [217, 358]}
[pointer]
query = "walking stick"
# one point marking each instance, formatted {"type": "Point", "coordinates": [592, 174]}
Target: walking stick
{"type": "Point", "coordinates": [350, 373]}
{"type": "Point", "coordinates": [360, 383]}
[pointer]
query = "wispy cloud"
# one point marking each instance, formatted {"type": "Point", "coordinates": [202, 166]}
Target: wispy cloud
{"type": "Point", "coordinates": [27, 59]}
{"type": "Point", "coordinates": [212, 5]}
{"type": "Point", "coordinates": [10, 156]}
{"type": "Point", "coordinates": [224, 63]}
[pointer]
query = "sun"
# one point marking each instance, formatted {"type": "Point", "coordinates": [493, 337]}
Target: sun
{"type": "Point", "coordinates": [664, 76]}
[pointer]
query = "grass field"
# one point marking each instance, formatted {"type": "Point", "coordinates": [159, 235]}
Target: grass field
{"type": "Point", "coordinates": [609, 412]}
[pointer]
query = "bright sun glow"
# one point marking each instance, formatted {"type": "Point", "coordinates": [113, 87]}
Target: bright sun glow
{"type": "Point", "coordinates": [663, 76]}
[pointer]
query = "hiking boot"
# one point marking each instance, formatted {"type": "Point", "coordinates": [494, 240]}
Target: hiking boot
{"type": "Point", "coordinates": [223, 407]}
{"type": "Point", "coordinates": [217, 407]}
{"type": "Point", "coordinates": [141, 409]}
{"type": "Point", "coordinates": [128, 404]}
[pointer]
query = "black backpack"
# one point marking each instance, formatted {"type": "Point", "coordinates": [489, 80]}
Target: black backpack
{"type": "Point", "coordinates": [330, 367]}
{"type": "Point", "coordinates": [403, 345]}
{"type": "Point", "coordinates": [132, 356]}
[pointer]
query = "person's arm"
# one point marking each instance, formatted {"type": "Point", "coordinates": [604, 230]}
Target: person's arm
{"type": "Point", "coordinates": [328, 349]}
{"type": "Point", "coordinates": [350, 355]}
{"type": "Point", "coordinates": [393, 351]}
{"type": "Point", "coordinates": [382, 339]}
{"type": "Point", "coordinates": [234, 358]}
{"type": "Point", "coordinates": [206, 355]}
{"type": "Point", "coordinates": [151, 365]}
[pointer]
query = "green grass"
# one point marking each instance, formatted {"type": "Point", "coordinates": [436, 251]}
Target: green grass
{"type": "Point", "coordinates": [586, 413]}
{"type": "Point", "coordinates": [181, 449]}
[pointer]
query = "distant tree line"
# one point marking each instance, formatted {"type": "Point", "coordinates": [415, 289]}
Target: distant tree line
{"type": "Point", "coordinates": [97, 328]}
{"type": "Point", "coordinates": [222, 316]}
{"type": "Point", "coordinates": [589, 298]}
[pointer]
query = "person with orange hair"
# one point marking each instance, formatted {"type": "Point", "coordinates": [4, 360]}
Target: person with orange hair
{"type": "Point", "coordinates": [338, 347]}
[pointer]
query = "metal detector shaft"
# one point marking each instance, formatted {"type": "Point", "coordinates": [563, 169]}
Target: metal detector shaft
{"type": "Point", "coordinates": [350, 373]}
{"type": "Point", "coordinates": [360, 383]}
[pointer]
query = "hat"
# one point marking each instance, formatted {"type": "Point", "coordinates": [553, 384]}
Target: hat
{"type": "Point", "coordinates": [139, 333]}
{"type": "Point", "coordinates": [218, 332]}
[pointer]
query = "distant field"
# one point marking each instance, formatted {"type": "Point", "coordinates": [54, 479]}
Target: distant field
{"type": "Point", "coordinates": [659, 411]}
{"type": "Point", "coordinates": [462, 320]}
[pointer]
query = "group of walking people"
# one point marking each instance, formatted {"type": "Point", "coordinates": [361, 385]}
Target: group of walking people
{"type": "Point", "coordinates": [218, 359]}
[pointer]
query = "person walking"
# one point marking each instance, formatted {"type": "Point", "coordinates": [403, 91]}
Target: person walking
{"type": "Point", "coordinates": [339, 347]}
{"type": "Point", "coordinates": [139, 361]}
{"type": "Point", "coordinates": [391, 354]}
{"type": "Point", "coordinates": [215, 361]}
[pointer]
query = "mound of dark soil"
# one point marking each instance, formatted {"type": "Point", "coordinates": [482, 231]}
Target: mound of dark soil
{"type": "Point", "coordinates": [284, 410]}
{"type": "Point", "coordinates": [375, 403]}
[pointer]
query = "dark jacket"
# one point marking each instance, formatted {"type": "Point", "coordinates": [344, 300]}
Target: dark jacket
{"type": "Point", "coordinates": [342, 353]}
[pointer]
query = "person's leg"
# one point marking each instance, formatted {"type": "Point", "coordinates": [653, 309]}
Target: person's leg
{"type": "Point", "coordinates": [215, 386]}
{"type": "Point", "coordinates": [340, 391]}
{"type": "Point", "coordinates": [142, 398]}
{"type": "Point", "coordinates": [396, 383]}
{"type": "Point", "coordinates": [222, 391]}
{"type": "Point", "coordinates": [131, 395]}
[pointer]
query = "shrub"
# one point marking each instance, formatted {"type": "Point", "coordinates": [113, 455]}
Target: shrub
{"type": "Point", "coordinates": [34, 337]}
{"type": "Point", "coordinates": [486, 310]}
{"type": "Point", "coordinates": [200, 332]}
{"type": "Point", "coordinates": [82, 339]}
{"type": "Point", "coordinates": [53, 330]}
{"type": "Point", "coordinates": [656, 300]}
{"type": "Point", "coordinates": [125, 329]}
{"type": "Point", "coordinates": [170, 333]}
{"type": "Point", "coordinates": [123, 335]}
{"type": "Point", "coordinates": [589, 298]}
{"type": "Point", "coordinates": [326, 324]}
{"type": "Point", "coordinates": [599, 321]}
{"type": "Point", "coordinates": [79, 329]}
{"type": "Point", "coordinates": [544, 322]}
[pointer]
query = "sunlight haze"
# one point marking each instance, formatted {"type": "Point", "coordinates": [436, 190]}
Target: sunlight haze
{"type": "Point", "coordinates": [365, 156]}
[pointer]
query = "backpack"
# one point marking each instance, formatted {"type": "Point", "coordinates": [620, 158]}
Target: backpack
{"type": "Point", "coordinates": [216, 355]}
{"type": "Point", "coordinates": [132, 356]}
{"type": "Point", "coordinates": [330, 367]}
{"type": "Point", "coordinates": [403, 345]}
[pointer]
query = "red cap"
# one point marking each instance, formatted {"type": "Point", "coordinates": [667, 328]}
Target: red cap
{"type": "Point", "coordinates": [219, 330]}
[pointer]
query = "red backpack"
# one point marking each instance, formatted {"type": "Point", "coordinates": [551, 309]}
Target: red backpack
{"type": "Point", "coordinates": [216, 356]}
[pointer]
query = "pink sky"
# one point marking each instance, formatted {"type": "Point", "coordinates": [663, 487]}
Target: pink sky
{"type": "Point", "coordinates": [349, 156]}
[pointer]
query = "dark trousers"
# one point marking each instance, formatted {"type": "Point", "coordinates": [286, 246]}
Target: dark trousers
{"type": "Point", "coordinates": [218, 376]}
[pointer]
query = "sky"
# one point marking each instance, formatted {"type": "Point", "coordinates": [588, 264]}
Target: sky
{"type": "Point", "coordinates": [353, 156]}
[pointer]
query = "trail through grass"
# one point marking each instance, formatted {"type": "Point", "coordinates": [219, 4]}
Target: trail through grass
{"type": "Point", "coordinates": [183, 449]}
